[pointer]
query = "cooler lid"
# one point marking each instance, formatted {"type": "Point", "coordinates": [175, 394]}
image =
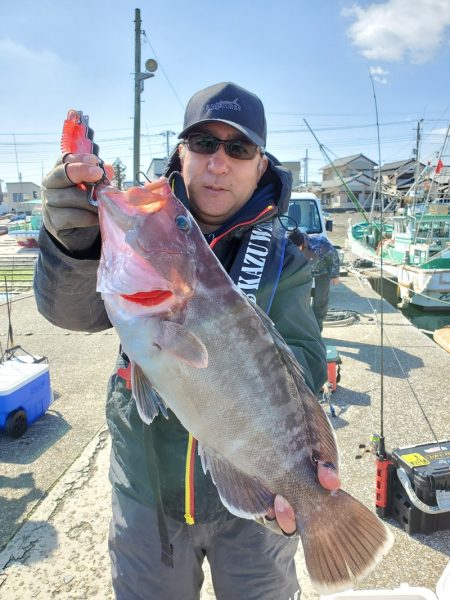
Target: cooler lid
{"type": "Point", "coordinates": [332, 354]}
{"type": "Point", "coordinates": [443, 585]}
{"type": "Point", "coordinates": [18, 371]}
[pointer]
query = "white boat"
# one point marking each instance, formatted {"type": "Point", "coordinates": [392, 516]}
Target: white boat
{"type": "Point", "coordinates": [414, 250]}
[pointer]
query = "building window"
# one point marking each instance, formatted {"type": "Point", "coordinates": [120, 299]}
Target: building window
{"type": "Point", "coordinates": [17, 197]}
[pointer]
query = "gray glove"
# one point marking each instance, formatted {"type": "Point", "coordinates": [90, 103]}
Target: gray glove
{"type": "Point", "coordinates": [68, 216]}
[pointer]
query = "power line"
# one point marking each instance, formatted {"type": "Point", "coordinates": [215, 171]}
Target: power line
{"type": "Point", "coordinates": [162, 69]}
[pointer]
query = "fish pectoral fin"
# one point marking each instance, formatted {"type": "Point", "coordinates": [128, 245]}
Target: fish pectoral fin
{"type": "Point", "coordinates": [181, 343]}
{"type": "Point", "coordinates": [148, 402]}
{"type": "Point", "coordinates": [242, 494]}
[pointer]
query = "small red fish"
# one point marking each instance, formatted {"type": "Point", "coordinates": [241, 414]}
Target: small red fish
{"type": "Point", "coordinates": [77, 136]}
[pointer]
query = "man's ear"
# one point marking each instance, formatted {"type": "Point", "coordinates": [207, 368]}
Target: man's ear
{"type": "Point", "coordinates": [181, 152]}
{"type": "Point", "coordinates": [262, 166]}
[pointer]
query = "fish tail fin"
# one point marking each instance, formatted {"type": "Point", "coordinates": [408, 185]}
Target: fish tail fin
{"type": "Point", "coordinates": [342, 543]}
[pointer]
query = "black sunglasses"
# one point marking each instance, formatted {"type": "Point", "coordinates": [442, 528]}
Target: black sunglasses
{"type": "Point", "coordinates": [205, 143]}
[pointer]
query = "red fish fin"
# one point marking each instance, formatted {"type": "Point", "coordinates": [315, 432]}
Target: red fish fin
{"type": "Point", "coordinates": [148, 402]}
{"type": "Point", "coordinates": [343, 548]}
{"type": "Point", "coordinates": [182, 344]}
{"type": "Point", "coordinates": [242, 495]}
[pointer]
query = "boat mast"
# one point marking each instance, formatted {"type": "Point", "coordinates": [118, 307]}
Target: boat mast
{"type": "Point", "coordinates": [417, 175]}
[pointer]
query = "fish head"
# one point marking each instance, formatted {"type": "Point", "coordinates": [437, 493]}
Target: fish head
{"type": "Point", "coordinates": [148, 253]}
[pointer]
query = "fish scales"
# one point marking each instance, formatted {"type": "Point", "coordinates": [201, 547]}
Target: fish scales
{"type": "Point", "coordinates": [218, 363]}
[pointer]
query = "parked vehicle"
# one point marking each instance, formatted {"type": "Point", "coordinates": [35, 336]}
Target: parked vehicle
{"type": "Point", "coordinates": [305, 210]}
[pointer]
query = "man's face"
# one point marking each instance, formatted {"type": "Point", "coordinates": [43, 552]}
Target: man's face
{"type": "Point", "coordinates": [218, 185]}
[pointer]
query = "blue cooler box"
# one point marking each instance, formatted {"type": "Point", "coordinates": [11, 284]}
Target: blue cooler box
{"type": "Point", "coordinates": [24, 387]}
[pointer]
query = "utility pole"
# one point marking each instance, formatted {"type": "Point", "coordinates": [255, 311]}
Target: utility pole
{"type": "Point", "coordinates": [151, 65]}
{"type": "Point", "coordinates": [167, 134]}
{"type": "Point", "coordinates": [305, 160]}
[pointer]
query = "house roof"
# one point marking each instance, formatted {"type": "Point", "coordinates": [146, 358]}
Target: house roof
{"type": "Point", "coordinates": [400, 165]}
{"type": "Point", "coordinates": [336, 181]}
{"type": "Point", "coordinates": [340, 162]}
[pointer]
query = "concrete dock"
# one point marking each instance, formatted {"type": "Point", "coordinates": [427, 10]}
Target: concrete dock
{"type": "Point", "coordinates": [54, 496]}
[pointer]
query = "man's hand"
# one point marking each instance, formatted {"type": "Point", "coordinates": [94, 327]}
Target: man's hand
{"type": "Point", "coordinates": [283, 511]}
{"type": "Point", "coordinates": [68, 216]}
{"type": "Point", "coordinates": [335, 280]}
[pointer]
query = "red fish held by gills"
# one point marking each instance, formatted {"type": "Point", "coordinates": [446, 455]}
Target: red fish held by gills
{"type": "Point", "coordinates": [200, 348]}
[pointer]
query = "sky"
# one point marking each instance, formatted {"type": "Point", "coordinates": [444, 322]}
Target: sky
{"type": "Point", "coordinates": [330, 63]}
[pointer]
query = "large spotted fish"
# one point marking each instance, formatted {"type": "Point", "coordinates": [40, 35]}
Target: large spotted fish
{"type": "Point", "coordinates": [199, 347]}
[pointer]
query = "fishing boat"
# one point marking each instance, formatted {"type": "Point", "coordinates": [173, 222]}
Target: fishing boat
{"type": "Point", "coordinates": [26, 231]}
{"type": "Point", "coordinates": [414, 247]}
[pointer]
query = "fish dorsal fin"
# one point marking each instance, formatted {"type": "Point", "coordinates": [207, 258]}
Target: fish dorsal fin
{"type": "Point", "coordinates": [243, 495]}
{"type": "Point", "coordinates": [149, 403]}
{"type": "Point", "coordinates": [321, 433]}
{"type": "Point", "coordinates": [183, 344]}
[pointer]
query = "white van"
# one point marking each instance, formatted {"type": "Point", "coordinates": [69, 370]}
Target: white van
{"type": "Point", "coordinates": [306, 211]}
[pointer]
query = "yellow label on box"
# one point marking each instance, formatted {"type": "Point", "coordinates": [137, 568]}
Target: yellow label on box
{"type": "Point", "coordinates": [415, 460]}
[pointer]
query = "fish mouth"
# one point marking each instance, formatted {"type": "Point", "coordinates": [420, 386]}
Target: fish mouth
{"type": "Point", "coordinates": [151, 298]}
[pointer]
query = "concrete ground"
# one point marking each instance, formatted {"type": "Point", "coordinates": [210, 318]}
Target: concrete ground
{"type": "Point", "coordinates": [60, 550]}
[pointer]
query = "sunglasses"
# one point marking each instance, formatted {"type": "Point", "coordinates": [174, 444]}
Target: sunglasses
{"type": "Point", "coordinates": [205, 143]}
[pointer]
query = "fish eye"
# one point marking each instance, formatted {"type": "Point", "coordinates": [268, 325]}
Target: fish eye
{"type": "Point", "coordinates": [183, 222]}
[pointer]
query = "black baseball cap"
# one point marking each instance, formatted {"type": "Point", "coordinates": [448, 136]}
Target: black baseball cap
{"type": "Point", "coordinates": [231, 104]}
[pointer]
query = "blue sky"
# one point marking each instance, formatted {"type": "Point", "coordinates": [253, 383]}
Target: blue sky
{"type": "Point", "coordinates": [306, 60]}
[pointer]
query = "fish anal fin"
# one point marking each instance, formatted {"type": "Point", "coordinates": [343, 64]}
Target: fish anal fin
{"type": "Point", "coordinates": [148, 402]}
{"type": "Point", "coordinates": [342, 549]}
{"type": "Point", "coordinates": [183, 344]}
{"type": "Point", "coordinates": [243, 495]}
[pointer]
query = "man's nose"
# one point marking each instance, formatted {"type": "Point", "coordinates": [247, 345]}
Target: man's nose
{"type": "Point", "coordinates": [219, 161]}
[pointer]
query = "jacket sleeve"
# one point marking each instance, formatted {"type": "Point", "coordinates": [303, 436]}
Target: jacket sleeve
{"type": "Point", "coordinates": [65, 289]}
{"type": "Point", "coordinates": [293, 317]}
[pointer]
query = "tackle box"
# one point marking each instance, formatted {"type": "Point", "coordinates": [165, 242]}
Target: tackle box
{"type": "Point", "coordinates": [419, 487]}
{"type": "Point", "coordinates": [25, 392]}
{"type": "Point", "coordinates": [333, 362]}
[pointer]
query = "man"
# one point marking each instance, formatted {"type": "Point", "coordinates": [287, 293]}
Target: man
{"type": "Point", "coordinates": [324, 261]}
{"type": "Point", "coordinates": [159, 491]}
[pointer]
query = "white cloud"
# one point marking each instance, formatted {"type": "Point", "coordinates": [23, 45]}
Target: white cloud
{"type": "Point", "coordinates": [15, 56]}
{"type": "Point", "coordinates": [379, 74]}
{"type": "Point", "coordinates": [33, 78]}
{"type": "Point", "coordinates": [400, 30]}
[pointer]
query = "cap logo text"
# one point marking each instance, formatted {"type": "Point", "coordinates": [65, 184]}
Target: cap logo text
{"type": "Point", "coordinates": [228, 104]}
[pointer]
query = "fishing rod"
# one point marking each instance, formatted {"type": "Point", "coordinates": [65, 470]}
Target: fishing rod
{"type": "Point", "coordinates": [10, 337]}
{"type": "Point", "coordinates": [351, 195]}
{"type": "Point", "coordinates": [383, 462]}
{"type": "Point", "coordinates": [381, 447]}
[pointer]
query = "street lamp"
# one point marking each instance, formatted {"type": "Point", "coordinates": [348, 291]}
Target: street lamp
{"type": "Point", "coordinates": [151, 65]}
